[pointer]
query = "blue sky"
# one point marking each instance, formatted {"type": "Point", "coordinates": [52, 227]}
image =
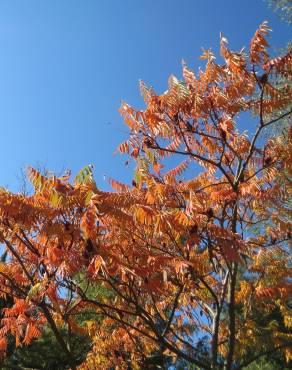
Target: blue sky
{"type": "Point", "coordinates": [65, 65]}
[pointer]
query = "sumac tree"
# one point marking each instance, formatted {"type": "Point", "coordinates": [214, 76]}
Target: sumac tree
{"type": "Point", "coordinates": [196, 269]}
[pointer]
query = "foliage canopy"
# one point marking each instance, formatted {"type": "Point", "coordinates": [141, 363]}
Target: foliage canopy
{"type": "Point", "coordinates": [194, 269]}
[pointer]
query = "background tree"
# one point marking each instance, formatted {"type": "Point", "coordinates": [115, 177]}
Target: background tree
{"type": "Point", "coordinates": [44, 353]}
{"type": "Point", "coordinates": [283, 8]}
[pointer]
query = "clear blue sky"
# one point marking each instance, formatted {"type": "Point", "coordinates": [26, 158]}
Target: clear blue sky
{"type": "Point", "coordinates": [65, 65]}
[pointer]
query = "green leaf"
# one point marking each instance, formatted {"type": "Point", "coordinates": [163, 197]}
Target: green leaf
{"type": "Point", "coordinates": [85, 176]}
{"type": "Point", "coordinates": [138, 177]}
{"type": "Point", "coordinates": [150, 155]}
{"type": "Point", "coordinates": [88, 197]}
{"type": "Point", "coordinates": [34, 290]}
